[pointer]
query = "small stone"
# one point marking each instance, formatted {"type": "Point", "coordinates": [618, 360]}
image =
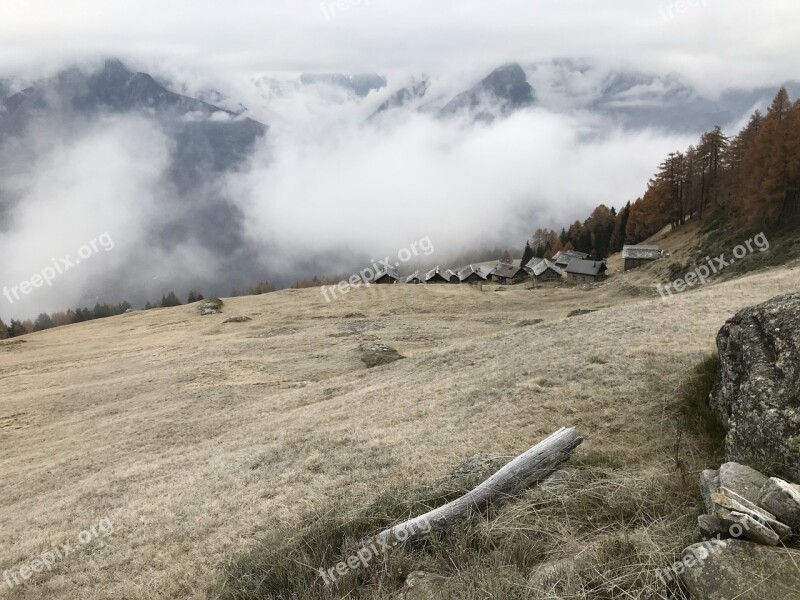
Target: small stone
{"type": "Point", "coordinates": [709, 484]}
{"type": "Point", "coordinates": [422, 586]}
{"type": "Point", "coordinates": [743, 480]}
{"type": "Point", "coordinates": [783, 500]}
{"type": "Point", "coordinates": [750, 528]}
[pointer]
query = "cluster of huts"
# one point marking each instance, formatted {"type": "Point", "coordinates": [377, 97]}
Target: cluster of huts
{"type": "Point", "coordinates": [577, 267]}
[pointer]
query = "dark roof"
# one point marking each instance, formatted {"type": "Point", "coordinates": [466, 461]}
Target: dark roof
{"type": "Point", "coordinates": [508, 271]}
{"type": "Point", "coordinates": [586, 267]}
{"type": "Point", "coordinates": [485, 271]}
{"type": "Point", "coordinates": [413, 277]}
{"type": "Point", "coordinates": [563, 257]}
{"type": "Point", "coordinates": [540, 265]}
{"type": "Point", "coordinates": [390, 271]}
{"type": "Point", "coordinates": [446, 275]}
{"type": "Point", "coordinates": [469, 270]}
{"type": "Point", "coordinates": [641, 252]}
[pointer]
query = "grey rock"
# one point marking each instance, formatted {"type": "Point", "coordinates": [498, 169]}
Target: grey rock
{"type": "Point", "coordinates": [744, 502]}
{"type": "Point", "coordinates": [783, 500]}
{"type": "Point", "coordinates": [378, 353]}
{"type": "Point", "coordinates": [757, 392]}
{"type": "Point", "coordinates": [756, 524]}
{"type": "Point", "coordinates": [212, 306]}
{"type": "Point", "coordinates": [709, 484]}
{"type": "Point", "coordinates": [237, 319]}
{"type": "Point", "coordinates": [728, 569]}
{"type": "Point", "coordinates": [742, 480]}
{"type": "Point", "coordinates": [421, 585]}
{"type": "Point", "coordinates": [744, 525]}
{"type": "Point", "coordinates": [711, 527]}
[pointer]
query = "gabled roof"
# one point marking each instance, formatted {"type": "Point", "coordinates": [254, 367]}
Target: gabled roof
{"type": "Point", "coordinates": [540, 265]}
{"type": "Point", "coordinates": [462, 274]}
{"type": "Point", "coordinates": [563, 257]}
{"type": "Point", "coordinates": [446, 275]}
{"type": "Point", "coordinates": [413, 276]}
{"type": "Point", "coordinates": [586, 267]}
{"type": "Point", "coordinates": [390, 271]}
{"type": "Point", "coordinates": [485, 271]}
{"type": "Point", "coordinates": [641, 252]}
{"type": "Point", "coordinates": [508, 271]}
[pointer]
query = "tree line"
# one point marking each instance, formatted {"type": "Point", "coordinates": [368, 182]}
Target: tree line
{"type": "Point", "coordinates": [750, 181]}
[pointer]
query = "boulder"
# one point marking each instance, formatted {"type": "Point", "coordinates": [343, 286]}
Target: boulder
{"type": "Point", "coordinates": [211, 306]}
{"type": "Point", "coordinates": [728, 569]}
{"type": "Point", "coordinates": [757, 392]}
{"type": "Point", "coordinates": [783, 500]}
{"type": "Point", "coordinates": [377, 353]}
{"type": "Point", "coordinates": [709, 484]}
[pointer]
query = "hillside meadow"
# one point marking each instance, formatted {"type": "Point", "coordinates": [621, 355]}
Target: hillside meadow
{"type": "Point", "coordinates": [202, 441]}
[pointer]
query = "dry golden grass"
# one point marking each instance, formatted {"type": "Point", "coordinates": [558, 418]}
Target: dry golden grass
{"type": "Point", "coordinates": [196, 437]}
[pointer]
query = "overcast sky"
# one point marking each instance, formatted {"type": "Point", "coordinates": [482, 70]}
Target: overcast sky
{"type": "Point", "coordinates": [714, 43]}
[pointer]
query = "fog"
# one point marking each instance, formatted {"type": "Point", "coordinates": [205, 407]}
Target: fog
{"type": "Point", "coordinates": [326, 192]}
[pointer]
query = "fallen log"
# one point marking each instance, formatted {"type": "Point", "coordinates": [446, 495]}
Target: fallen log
{"type": "Point", "coordinates": [528, 468]}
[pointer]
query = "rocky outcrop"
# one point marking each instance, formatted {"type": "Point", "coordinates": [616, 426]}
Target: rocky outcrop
{"type": "Point", "coordinates": [212, 306]}
{"type": "Point", "coordinates": [757, 392]}
{"type": "Point", "coordinates": [727, 569]}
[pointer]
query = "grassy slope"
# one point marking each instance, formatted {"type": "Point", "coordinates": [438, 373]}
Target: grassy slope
{"type": "Point", "coordinates": [198, 439]}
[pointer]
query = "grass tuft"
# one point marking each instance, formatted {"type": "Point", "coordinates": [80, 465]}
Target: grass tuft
{"type": "Point", "coordinates": [696, 413]}
{"type": "Point", "coordinates": [597, 534]}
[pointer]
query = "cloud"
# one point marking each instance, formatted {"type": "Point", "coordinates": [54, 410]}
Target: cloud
{"type": "Point", "coordinates": [83, 180]}
{"type": "Point", "coordinates": [714, 43]}
{"type": "Point", "coordinates": [363, 190]}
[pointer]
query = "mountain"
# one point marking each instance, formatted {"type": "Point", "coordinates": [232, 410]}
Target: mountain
{"type": "Point", "coordinates": [207, 137]}
{"type": "Point", "coordinates": [637, 100]}
{"type": "Point", "coordinates": [503, 91]}
{"type": "Point", "coordinates": [360, 84]}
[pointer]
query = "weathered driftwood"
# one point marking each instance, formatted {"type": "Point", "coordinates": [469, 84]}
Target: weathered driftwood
{"type": "Point", "coordinates": [533, 466]}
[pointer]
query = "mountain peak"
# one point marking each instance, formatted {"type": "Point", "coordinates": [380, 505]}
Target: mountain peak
{"type": "Point", "coordinates": [504, 90]}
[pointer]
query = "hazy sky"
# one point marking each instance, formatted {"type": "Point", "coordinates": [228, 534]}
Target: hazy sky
{"type": "Point", "coordinates": [712, 42]}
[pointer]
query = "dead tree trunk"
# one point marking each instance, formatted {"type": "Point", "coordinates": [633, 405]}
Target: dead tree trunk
{"type": "Point", "coordinates": [533, 466]}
